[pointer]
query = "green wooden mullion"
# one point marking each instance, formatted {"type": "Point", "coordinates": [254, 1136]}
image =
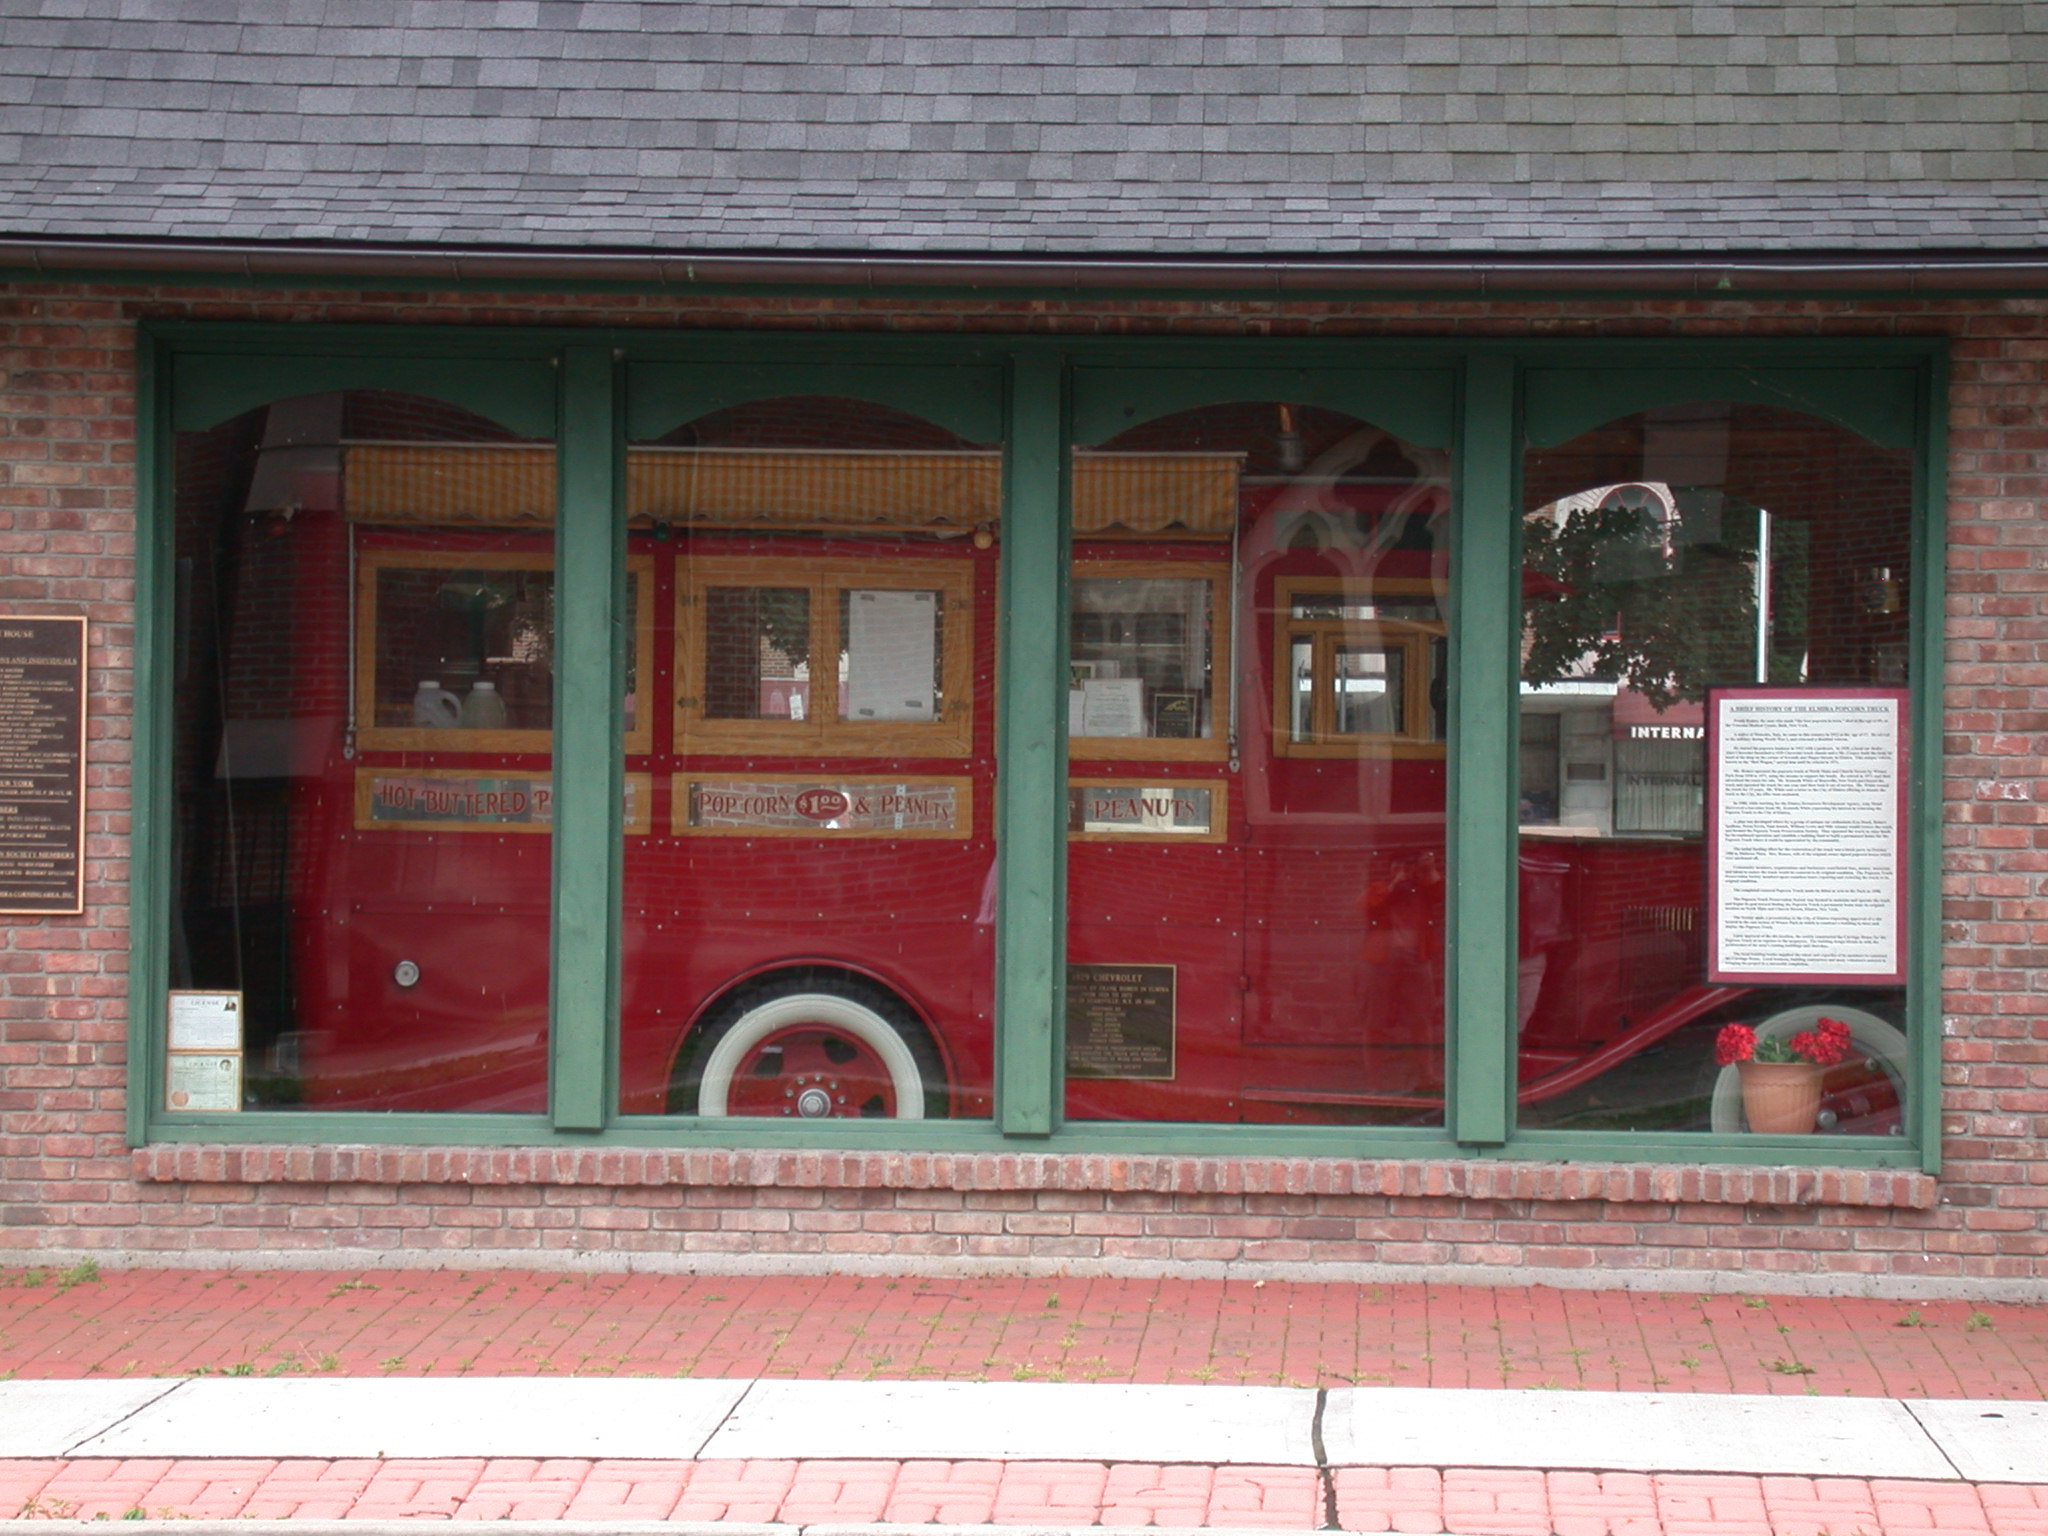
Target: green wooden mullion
{"type": "Point", "coordinates": [1925, 620]}
{"type": "Point", "coordinates": [1485, 669]}
{"type": "Point", "coordinates": [150, 813]}
{"type": "Point", "coordinates": [1031, 752]}
{"type": "Point", "coordinates": [589, 752]}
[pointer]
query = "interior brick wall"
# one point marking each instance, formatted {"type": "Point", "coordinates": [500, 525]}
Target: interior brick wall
{"type": "Point", "coordinates": [69, 1185]}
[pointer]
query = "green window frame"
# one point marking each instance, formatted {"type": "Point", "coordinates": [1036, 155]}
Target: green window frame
{"type": "Point", "coordinates": [1040, 397]}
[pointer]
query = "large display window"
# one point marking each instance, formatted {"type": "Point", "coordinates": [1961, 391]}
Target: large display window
{"type": "Point", "coordinates": [1255, 931]}
{"type": "Point", "coordinates": [809, 927]}
{"type": "Point", "coordinates": [940, 743]}
{"type": "Point", "coordinates": [1669, 554]}
{"type": "Point", "coordinates": [362, 761]}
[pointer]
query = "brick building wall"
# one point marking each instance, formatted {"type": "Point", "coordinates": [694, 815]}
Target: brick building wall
{"type": "Point", "coordinates": [69, 1185]}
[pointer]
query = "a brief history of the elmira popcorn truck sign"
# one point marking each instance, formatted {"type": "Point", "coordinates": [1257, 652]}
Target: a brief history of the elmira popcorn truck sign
{"type": "Point", "coordinates": [1806, 835]}
{"type": "Point", "coordinates": [42, 764]}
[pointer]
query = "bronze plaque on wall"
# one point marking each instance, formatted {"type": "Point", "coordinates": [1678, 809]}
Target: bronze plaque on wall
{"type": "Point", "coordinates": [1120, 1021]}
{"type": "Point", "coordinates": [42, 764]}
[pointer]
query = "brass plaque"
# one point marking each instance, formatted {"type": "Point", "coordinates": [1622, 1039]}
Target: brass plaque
{"type": "Point", "coordinates": [42, 765]}
{"type": "Point", "coordinates": [1120, 1021]}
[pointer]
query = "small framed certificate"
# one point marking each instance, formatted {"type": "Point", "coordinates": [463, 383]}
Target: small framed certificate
{"type": "Point", "coordinates": [203, 1065]}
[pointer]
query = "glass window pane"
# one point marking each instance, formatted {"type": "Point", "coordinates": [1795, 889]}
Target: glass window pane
{"type": "Point", "coordinates": [1368, 682]}
{"type": "Point", "coordinates": [808, 915]}
{"type": "Point", "coordinates": [1142, 654]}
{"type": "Point", "coordinates": [757, 647]}
{"type": "Point", "coordinates": [362, 749]}
{"type": "Point", "coordinates": [1666, 554]}
{"type": "Point", "coordinates": [1302, 689]}
{"type": "Point", "coordinates": [1255, 902]}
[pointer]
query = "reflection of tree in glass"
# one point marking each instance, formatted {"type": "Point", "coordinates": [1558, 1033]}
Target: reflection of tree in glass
{"type": "Point", "coordinates": [784, 617]}
{"type": "Point", "coordinates": [1619, 591]}
{"type": "Point", "coordinates": [530, 631]}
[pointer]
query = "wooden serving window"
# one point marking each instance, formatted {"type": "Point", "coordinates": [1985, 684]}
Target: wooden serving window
{"type": "Point", "coordinates": [455, 650]}
{"type": "Point", "coordinates": [1359, 667]}
{"type": "Point", "coordinates": [1146, 646]}
{"type": "Point", "coordinates": [845, 658]}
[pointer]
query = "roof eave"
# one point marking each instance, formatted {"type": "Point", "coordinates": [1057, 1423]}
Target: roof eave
{"type": "Point", "coordinates": [1700, 275]}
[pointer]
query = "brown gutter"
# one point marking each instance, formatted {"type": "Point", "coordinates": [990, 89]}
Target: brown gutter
{"type": "Point", "coordinates": [1678, 276]}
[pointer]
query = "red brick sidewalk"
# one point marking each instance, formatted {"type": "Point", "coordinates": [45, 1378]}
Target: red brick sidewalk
{"type": "Point", "coordinates": [272, 1323]}
{"type": "Point", "coordinates": [1041, 1494]}
{"type": "Point", "coordinates": [443, 1323]}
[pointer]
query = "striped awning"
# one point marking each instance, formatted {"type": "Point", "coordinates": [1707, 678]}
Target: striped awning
{"type": "Point", "coordinates": [1156, 492]}
{"type": "Point", "coordinates": [494, 483]}
{"type": "Point", "coordinates": [514, 484]}
{"type": "Point", "coordinates": [751, 488]}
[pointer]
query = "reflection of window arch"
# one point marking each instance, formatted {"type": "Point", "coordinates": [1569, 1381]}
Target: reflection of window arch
{"type": "Point", "coordinates": [1308, 514]}
{"type": "Point", "coordinates": [814, 422]}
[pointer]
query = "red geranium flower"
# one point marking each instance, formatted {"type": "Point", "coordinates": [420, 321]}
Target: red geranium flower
{"type": "Point", "coordinates": [1736, 1042]}
{"type": "Point", "coordinates": [1825, 1044]}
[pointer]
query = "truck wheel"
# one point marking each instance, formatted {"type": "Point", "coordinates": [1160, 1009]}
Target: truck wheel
{"type": "Point", "coordinates": [799, 1052]}
{"type": "Point", "coordinates": [1863, 1096]}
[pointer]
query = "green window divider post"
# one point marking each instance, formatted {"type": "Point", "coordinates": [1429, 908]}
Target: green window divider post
{"type": "Point", "coordinates": [1486, 609]}
{"type": "Point", "coordinates": [152, 776]}
{"type": "Point", "coordinates": [1927, 648]}
{"type": "Point", "coordinates": [1030, 1000]}
{"type": "Point", "coordinates": [589, 749]}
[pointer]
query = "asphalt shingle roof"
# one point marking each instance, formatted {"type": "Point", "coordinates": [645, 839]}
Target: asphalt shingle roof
{"type": "Point", "coordinates": [1292, 126]}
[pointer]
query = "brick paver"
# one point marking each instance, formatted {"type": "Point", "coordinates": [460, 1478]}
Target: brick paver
{"type": "Point", "coordinates": [446, 1323]}
{"type": "Point", "coordinates": [1479, 1501]}
{"type": "Point", "coordinates": [408, 1323]}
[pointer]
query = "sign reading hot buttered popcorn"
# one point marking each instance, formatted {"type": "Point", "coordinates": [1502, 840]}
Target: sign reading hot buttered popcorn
{"type": "Point", "coordinates": [456, 800]}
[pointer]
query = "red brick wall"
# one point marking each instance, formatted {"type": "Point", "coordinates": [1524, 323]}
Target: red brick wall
{"type": "Point", "coordinates": [69, 1185]}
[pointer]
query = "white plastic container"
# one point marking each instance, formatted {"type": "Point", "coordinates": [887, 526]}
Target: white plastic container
{"type": "Point", "coordinates": [483, 710]}
{"type": "Point", "coordinates": [435, 708]}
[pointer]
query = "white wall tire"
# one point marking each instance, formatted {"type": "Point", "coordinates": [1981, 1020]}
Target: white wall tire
{"type": "Point", "coordinates": [1875, 1040]}
{"type": "Point", "coordinates": [735, 1043]}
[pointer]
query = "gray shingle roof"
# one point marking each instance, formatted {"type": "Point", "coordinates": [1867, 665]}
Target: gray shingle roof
{"type": "Point", "coordinates": [1289, 126]}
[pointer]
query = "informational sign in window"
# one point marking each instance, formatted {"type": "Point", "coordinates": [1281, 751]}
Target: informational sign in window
{"type": "Point", "coordinates": [891, 649]}
{"type": "Point", "coordinates": [1120, 1021]}
{"type": "Point", "coordinates": [203, 1062]}
{"type": "Point", "coordinates": [1806, 814]}
{"type": "Point", "coordinates": [201, 1083]}
{"type": "Point", "coordinates": [42, 764]}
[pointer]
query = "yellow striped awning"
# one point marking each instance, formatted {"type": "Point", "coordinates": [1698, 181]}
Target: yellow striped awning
{"type": "Point", "coordinates": [514, 484]}
{"type": "Point", "coordinates": [1154, 492]}
{"type": "Point", "coordinates": [751, 488]}
{"type": "Point", "coordinates": [494, 483]}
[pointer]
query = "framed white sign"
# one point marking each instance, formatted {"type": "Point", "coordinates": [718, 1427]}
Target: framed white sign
{"type": "Point", "coordinates": [1805, 828]}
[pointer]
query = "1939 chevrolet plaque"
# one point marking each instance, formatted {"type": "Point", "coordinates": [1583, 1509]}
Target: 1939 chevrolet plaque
{"type": "Point", "coordinates": [1120, 1021]}
{"type": "Point", "coordinates": [42, 764]}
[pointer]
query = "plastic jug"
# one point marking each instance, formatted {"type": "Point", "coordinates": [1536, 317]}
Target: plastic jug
{"type": "Point", "coordinates": [434, 707]}
{"type": "Point", "coordinates": [483, 710]}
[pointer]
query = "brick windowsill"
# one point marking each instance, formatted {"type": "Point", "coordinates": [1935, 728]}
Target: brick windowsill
{"type": "Point", "coordinates": [1457, 1179]}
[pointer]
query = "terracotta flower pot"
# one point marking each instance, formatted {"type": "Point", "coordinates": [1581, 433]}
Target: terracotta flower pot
{"type": "Point", "coordinates": [1781, 1098]}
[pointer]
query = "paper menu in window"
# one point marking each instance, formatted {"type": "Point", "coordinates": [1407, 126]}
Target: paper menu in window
{"type": "Point", "coordinates": [1113, 706]}
{"type": "Point", "coordinates": [891, 648]}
